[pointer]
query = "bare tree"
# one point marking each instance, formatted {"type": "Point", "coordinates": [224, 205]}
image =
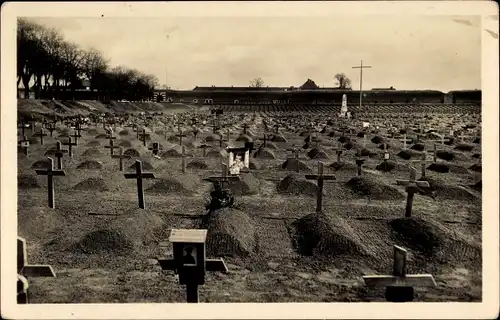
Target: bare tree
{"type": "Point", "coordinates": [257, 83]}
{"type": "Point", "coordinates": [342, 81]}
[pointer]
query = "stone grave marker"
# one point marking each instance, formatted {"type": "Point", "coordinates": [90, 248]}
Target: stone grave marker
{"type": "Point", "coordinates": [24, 144]}
{"type": "Point", "coordinates": [155, 148]}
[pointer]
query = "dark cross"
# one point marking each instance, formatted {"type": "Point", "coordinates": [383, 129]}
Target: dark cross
{"type": "Point", "coordinates": [221, 140]}
{"type": "Point", "coordinates": [180, 135]}
{"type": "Point", "coordinates": [139, 175]}
{"type": "Point", "coordinates": [264, 139]}
{"type": "Point", "coordinates": [296, 152]}
{"type": "Point", "coordinates": [195, 132]}
{"type": "Point", "coordinates": [339, 151]}
{"type": "Point", "coordinates": [143, 136]}
{"type": "Point", "coordinates": [315, 139]}
{"type": "Point", "coordinates": [228, 135]}
{"type": "Point", "coordinates": [78, 128]}
{"type": "Point", "coordinates": [51, 128]}
{"type": "Point", "coordinates": [442, 139]}
{"type": "Point", "coordinates": [70, 146]}
{"type": "Point", "coordinates": [320, 178]}
{"type": "Point", "coordinates": [462, 136]}
{"type": "Point", "coordinates": [411, 188]}
{"type": "Point", "coordinates": [359, 161]}
{"type": "Point", "coordinates": [59, 154]}
{"type": "Point", "coordinates": [32, 125]}
{"type": "Point", "coordinates": [110, 136]}
{"type": "Point", "coordinates": [404, 141]}
{"type": "Point", "coordinates": [120, 156]}
{"type": "Point", "coordinates": [435, 150]}
{"type": "Point", "coordinates": [245, 127]}
{"type": "Point", "coordinates": [76, 135]}
{"type": "Point", "coordinates": [183, 159]}
{"type": "Point", "coordinates": [50, 173]}
{"type": "Point", "coordinates": [24, 269]}
{"type": "Point", "coordinates": [22, 126]}
{"type": "Point", "coordinates": [155, 148]}
{"type": "Point", "coordinates": [399, 285]}
{"type": "Point", "coordinates": [24, 143]}
{"type": "Point", "coordinates": [276, 128]}
{"type": "Point", "coordinates": [111, 146]}
{"type": "Point", "coordinates": [423, 163]}
{"type": "Point", "coordinates": [215, 127]}
{"type": "Point", "coordinates": [204, 147]}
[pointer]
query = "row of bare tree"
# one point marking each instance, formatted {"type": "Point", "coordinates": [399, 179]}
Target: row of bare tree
{"type": "Point", "coordinates": [55, 68]}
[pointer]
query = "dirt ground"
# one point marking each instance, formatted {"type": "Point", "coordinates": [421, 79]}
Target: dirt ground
{"type": "Point", "coordinates": [104, 248]}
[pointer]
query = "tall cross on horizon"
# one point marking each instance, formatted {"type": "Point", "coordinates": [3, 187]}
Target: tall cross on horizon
{"type": "Point", "coordinates": [360, 67]}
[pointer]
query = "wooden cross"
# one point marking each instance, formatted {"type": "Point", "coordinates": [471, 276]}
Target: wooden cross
{"type": "Point", "coordinates": [78, 129]}
{"type": "Point", "coordinates": [143, 136]}
{"type": "Point", "coordinates": [276, 127]}
{"type": "Point", "coordinates": [41, 134]}
{"type": "Point", "coordinates": [76, 135]}
{"type": "Point", "coordinates": [462, 136]}
{"type": "Point", "coordinates": [245, 127]}
{"type": "Point", "coordinates": [386, 154]}
{"type": "Point", "coordinates": [339, 151]}
{"type": "Point", "coordinates": [221, 140]}
{"type": "Point", "coordinates": [70, 146]}
{"type": "Point", "coordinates": [423, 163]}
{"type": "Point", "coordinates": [24, 143]}
{"type": "Point", "coordinates": [50, 173]}
{"type": "Point", "coordinates": [359, 161]}
{"type": "Point", "coordinates": [59, 154]}
{"type": "Point", "coordinates": [320, 178]}
{"type": "Point", "coordinates": [215, 126]}
{"type": "Point", "coordinates": [315, 139]}
{"type": "Point", "coordinates": [204, 147]}
{"type": "Point", "coordinates": [183, 159]}
{"type": "Point", "coordinates": [435, 150]}
{"type": "Point", "coordinates": [442, 138]}
{"type": "Point", "coordinates": [404, 141]}
{"type": "Point", "coordinates": [24, 269]}
{"type": "Point", "coordinates": [22, 126]}
{"type": "Point", "coordinates": [32, 125]}
{"type": "Point", "coordinates": [265, 140]}
{"type": "Point", "coordinates": [399, 285]}
{"type": "Point", "coordinates": [364, 140]}
{"type": "Point", "coordinates": [180, 135]}
{"type": "Point", "coordinates": [139, 175]}
{"type": "Point", "coordinates": [51, 129]}
{"type": "Point", "coordinates": [111, 146]}
{"type": "Point", "coordinates": [120, 156]}
{"type": "Point", "coordinates": [412, 186]}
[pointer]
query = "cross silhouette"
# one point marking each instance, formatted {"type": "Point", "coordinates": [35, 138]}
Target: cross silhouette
{"type": "Point", "coordinates": [139, 175]}
{"type": "Point", "coordinates": [320, 178]}
{"type": "Point", "coordinates": [50, 173]}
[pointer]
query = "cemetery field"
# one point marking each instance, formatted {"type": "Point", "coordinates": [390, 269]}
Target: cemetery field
{"type": "Point", "coordinates": [276, 245]}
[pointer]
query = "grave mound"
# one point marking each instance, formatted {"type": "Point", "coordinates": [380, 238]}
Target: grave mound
{"type": "Point", "coordinates": [377, 140]}
{"type": "Point", "coordinates": [92, 152]}
{"type": "Point", "coordinates": [105, 242]}
{"type": "Point", "coordinates": [443, 190]}
{"type": "Point", "coordinates": [476, 167]}
{"type": "Point", "coordinates": [373, 188]}
{"type": "Point", "coordinates": [226, 235]}
{"type": "Point", "coordinates": [93, 143]}
{"type": "Point", "coordinates": [343, 139]}
{"type": "Point", "coordinates": [464, 147]}
{"type": "Point", "coordinates": [145, 166]}
{"type": "Point", "coordinates": [173, 139]}
{"type": "Point", "coordinates": [476, 155]}
{"type": "Point", "coordinates": [386, 166]}
{"type": "Point", "coordinates": [347, 166]}
{"type": "Point", "coordinates": [124, 132]}
{"type": "Point", "coordinates": [332, 134]}
{"type": "Point", "coordinates": [278, 138]}
{"type": "Point", "coordinates": [197, 164]}
{"type": "Point", "coordinates": [445, 155]}
{"type": "Point", "coordinates": [450, 141]}
{"type": "Point", "coordinates": [216, 153]}
{"type": "Point", "coordinates": [439, 167]}
{"type": "Point", "coordinates": [407, 154]}
{"type": "Point", "coordinates": [306, 146]}
{"type": "Point", "coordinates": [270, 145]}
{"type": "Point", "coordinates": [360, 134]}
{"type": "Point", "coordinates": [365, 152]}
{"type": "Point", "coordinates": [264, 153]}
{"type": "Point", "coordinates": [27, 181]}
{"type": "Point", "coordinates": [90, 164]}
{"type": "Point", "coordinates": [294, 184]}
{"type": "Point", "coordinates": [92, 184]}
{"type": "Point", "coordinates": [247, 185]}
{"type": "Point", "coordinates": [349, 145]}
{"type": "Point", "coordinates": [244, 138]}
{"type": "Point", "coordinates": [418, 234]}
{"type": "Point", "coordinates": [477, 141]}
{"type": "Point", "coordinates": [41, 164]}
{"type": "Point", "coordinates": [171, 185]}
{"type": "Point", "coordinates": [319, 235]}
{"type": "Point", "coordinates": [381, 146]}
{"type": "Point", "coordinates": [100, 136]}
{"type": "Point", "coordinates": [33, 140]}
{"type": "Point", "coordinates": [174, 152]}
{"type": "Point", "coordinates": [478, 185]}
{"type": "Point", "coordinates": [92, 131]}
{"type": "Point", "coordinates": [456, 169]}
{"type": "Point", "coordinates": [291, 165]}
{"type": "Point", "coordinates": [125, 144]}
{"type": "Point", "coordinates": [418, 147]}
{"type": "Point", "coordinates": [253, 165]}
{"type": "Point", "coordinates": [132, 153]}
{"type": "Point", "coordinates": [51, 151]}
{"type": "Point", "coordinates": [316, 153]}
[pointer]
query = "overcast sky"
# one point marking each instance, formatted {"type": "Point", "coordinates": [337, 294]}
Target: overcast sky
{"type": "Point", "coordinates": [407, 52]}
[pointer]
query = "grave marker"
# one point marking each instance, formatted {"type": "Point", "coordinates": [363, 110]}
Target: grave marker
{"type": "Point", "coordinates": [24, 144]}
{"type": "Point", "coordinates": [320, 178]}
{"type": "Point", "coordinates": [155, 148]}
{"type": "Point", "coordinates": [204, 147]}
{"type": "Point", "coordinates": [359, 161]}
{"type": "Point", "coordinates": [50, 173]}
{"type": "Point", "coordinates": [224, 177]}
{"type": "Point", "coordinates": [143, 136]}
{"type": "Point", "coordinates": [24, 269]}
{"type": "Point", "coordinates": [412, 186]}
{"type": "Point", "coordinates": [399, 285]}
{"type": "Point", "coordinates": [189, 260]}
{"type": "Point", "coordinates": [180, 135]}
{"type": "Point", "coordinates": [59, 154]}
{"type": "Point", "coordinates": [111, 147]}
{"type": "Point", "coordinates": [120, 156]}
{"type": "Point", "coordinates": [139, 175]}
{"type": "Point", "coordinates": [296, 152]}
{"type": "Point", "coordinates": [70, 146]}
{"type": "Point", "coordinates": [404, 141]}
{"type": "Point", "coordinates": [41, 134]}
